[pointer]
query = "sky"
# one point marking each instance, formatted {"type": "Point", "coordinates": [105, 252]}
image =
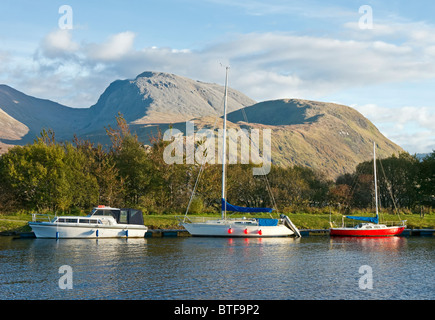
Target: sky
{"type": "Point", "coordinates": [375, 56]}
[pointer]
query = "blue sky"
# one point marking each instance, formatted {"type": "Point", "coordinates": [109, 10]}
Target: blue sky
{"type": "Point", "coordinates": [276, 49]}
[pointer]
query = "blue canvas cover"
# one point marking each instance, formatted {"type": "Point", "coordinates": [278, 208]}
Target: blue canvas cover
{"type": "Point", "coordinates": [265, 222]}
{"type": "Point", "coordinates": [369, 219]}
{"type": "Point", "coordinates": [229, 207]}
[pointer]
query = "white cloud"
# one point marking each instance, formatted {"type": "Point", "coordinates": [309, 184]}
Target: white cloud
{"type": "Point", "coordinates": [59, 43]}
{"type": "Point", "coordinates": [424, 117]}
{"type": "Point", "coordinates": [115, 48]}
{"type": "Point", "coordinates": [320, 65]}
{"type": "Point", "coordinates": [417, 33]}
{"type": "Point", "coordinates": [271, 85]}
{"type": "Point", "coordinates": [264, 65]}
{"type": "Point", "coordinates": [5, 60]}
{"type": "Point", "coordinates": [267, 65]}
{"type": "Point", "coordinates": [410, 127]}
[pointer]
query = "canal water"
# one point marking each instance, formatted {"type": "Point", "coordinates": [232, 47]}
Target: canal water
{"type": "Point", "coordinates": [189, 268]}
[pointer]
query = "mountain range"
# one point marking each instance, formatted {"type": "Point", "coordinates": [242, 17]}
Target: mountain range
{"type": "Point", "coordinates": [327, 137]}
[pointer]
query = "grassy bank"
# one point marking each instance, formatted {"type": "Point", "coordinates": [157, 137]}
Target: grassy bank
{"type": "Point", "coordinates": [18, 222]}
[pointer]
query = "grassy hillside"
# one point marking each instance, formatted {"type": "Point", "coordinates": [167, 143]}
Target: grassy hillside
{"type": "Point", "coordinates": [327, 137]}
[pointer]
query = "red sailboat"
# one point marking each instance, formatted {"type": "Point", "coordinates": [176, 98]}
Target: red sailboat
{"type": "Point", "coordinates": [367, 230]}
{"type": "Point", "coordinates": [371, 226]}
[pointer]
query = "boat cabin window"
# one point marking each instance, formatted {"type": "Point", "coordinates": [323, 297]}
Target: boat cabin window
{"type": "Point", "coordinates": [69, 220]}
{"type": "Point", "coordinates": [123, 217]}
{"type": "Point", "coordinates": [88, 221]}
{"type": "Point", "coordinates": [134, 216]}
{"type": "Point", "coordinates": [107, 213]}
{"type": "Point", "coordinates": [246, 222]}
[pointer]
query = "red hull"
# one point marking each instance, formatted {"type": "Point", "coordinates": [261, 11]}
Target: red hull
{"type": "Point", "coordinates": [352, 232]}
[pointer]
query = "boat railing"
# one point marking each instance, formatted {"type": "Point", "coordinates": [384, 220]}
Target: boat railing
{"type": "Point", "coordinates": [202, 219]}
{"type": "Point", "coordinates": [193, 219]}
{"type": "Point", "coordinates": [354, 223]}
{"type": "Point", "coordinates": [394, 223]}
{"type": "Point", "coordinates": [41, 217]}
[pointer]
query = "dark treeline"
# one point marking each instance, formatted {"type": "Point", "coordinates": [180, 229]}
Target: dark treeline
{"type": "Point", "coordinates": [77, 175]}
{"type": "Point", "coordinates": [404, 182]}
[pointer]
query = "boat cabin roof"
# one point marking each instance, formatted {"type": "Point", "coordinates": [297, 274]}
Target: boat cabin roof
{"type": "Point", "coordinates": [123, 215]}
{"type": "Point", "coordinates": [370, 226]}
{"type": "Point", "coordinates": [101, 207]}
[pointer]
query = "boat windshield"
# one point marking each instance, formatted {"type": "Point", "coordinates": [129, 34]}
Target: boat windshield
{"type": "Point", "coordinates": [104, 212]}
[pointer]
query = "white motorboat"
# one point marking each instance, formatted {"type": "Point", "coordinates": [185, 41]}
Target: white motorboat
{"type": "Point", "coordinates": [238, 227]}
{"type": "Point", "coordinates": [102, 222]}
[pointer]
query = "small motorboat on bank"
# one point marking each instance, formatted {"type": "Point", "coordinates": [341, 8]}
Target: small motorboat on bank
{"type": "Point", "coordinates": [102, 222]}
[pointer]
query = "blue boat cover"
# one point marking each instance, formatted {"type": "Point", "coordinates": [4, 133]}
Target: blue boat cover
{"type": "Point", "coordinates": [229, 207]}
{"type": "Point", "coordinates": [369, 219]}
{"type": "Point", "coordinates": [265, 222]}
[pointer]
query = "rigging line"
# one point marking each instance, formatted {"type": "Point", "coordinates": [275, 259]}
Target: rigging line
{"type": "Point", "coordinates": [354, 184]}
{"type": "Point", "coordinates": [352, 188]}
{"type": "Point", "coordinates": [389, 189]}
{"type": "Point", "coordinates": [269, 189]}
{"type": "Point", "coordinates": [245, 117]}
{"type": "Point", "coordinates": [201, 169]}
{"type": "Point", "coordinates": [193, 192]}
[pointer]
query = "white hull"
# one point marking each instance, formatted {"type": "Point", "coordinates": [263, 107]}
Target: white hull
{"type": "Point", "coordinates": [231, 229]}
{"type": "Point", "coordinates": [72, 231]}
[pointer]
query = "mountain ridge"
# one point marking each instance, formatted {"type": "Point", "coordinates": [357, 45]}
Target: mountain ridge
{"type": "Point", "coordinates": [325, 136]}
{"type": "Point", "coordinates": [160, 97]}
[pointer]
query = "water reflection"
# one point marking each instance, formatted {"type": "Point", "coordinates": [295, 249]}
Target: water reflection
{"type": "Point", "coordinates": [315, 267]}
{"type": "Point", "coordinates": [370, 244]}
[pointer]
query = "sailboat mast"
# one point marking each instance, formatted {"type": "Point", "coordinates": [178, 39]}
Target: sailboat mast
{"type": "Point", "coordinates": [224, 139]}
{"type": "Point", "coordinates": [374, 169]}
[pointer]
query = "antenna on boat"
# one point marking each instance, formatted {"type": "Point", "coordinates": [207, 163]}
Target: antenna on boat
{"type": "Point", "coordinates": [224, 138]}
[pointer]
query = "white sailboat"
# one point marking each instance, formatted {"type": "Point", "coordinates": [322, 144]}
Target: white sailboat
{"type": "Point", "coordinates": [238, 227]}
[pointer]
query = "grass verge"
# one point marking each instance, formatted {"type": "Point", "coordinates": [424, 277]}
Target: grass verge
{"type": "Point", "coordinates": [10, 224]}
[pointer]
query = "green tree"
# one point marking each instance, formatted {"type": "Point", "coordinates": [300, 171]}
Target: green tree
{"type": "Point", "coordinates": [289, 187]}
{"type": "Point", "coordinates": [397, 178]}
{"type": "Point", "coordinates": [171, 184]}
{"type": "Point", "coordinates": [427, 180]}
{"type": "Point", "coordinates": [209, 186]}
{"type": "Point", "coordinates": [398, 181]}
{"type": "Point", "coordinates": [83, 186]}
{"type": "Point", "coordinates": [101, 165]}
{"type": "Point", "coordinates": [36, 175]}
{"type": "Point", "coordinates": [245, 189]}
{"type": "Point", "coordinates": [132, 161]}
